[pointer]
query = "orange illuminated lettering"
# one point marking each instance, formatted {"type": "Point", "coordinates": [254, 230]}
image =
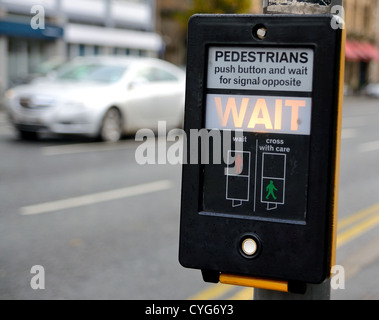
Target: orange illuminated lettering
{"type": "Point", "coordinates": [231, 106]}
{"type": "Point", "coordinates": [278, 114]}
{"type": "Point", "coordinates": [295, 104]}
{"type": "Point", "coordinates": [261, 114]}
{"type": "Point", "coordinates": [260, 107]}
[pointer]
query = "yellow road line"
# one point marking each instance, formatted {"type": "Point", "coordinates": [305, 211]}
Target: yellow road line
{"type": "Point", "coordinates": [212, 292]}
{"type": "Point", "coordinates": [357, 230]}
{"type": "Point", "coordinates": [343, 223]}
{"type": "Point", "coordinates": [244, 294]}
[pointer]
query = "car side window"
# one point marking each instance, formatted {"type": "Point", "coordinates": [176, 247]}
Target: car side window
{"type": "Point", "coordinates": [163, 75]}
{"type": "Point", "coordinates": [156, 75]}
{"type": "Point", "coordinates": [146, 74]}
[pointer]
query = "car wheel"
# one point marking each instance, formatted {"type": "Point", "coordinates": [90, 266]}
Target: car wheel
{"type": "Point", "coordinates": [111, 129]}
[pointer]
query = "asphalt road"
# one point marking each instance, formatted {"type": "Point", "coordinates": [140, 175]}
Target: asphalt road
{"type": "Point", "coordinates": [104, 227]}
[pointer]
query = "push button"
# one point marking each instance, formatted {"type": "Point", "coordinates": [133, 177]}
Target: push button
{"type": "Point", "coordinates": [250, 246]}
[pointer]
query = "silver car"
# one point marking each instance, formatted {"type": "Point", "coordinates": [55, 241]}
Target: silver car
{"type": "Point", "coordinates": [372, 90]}
{"type": "Point", "coordinates": [103, 97]}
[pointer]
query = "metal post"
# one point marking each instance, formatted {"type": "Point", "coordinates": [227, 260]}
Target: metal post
{"type": "Point", "coordinates": [321, 291]}
{"type": "Point", "coordinates": [313, 292]}
{"type": "Point", "coordinates": [299, 6]}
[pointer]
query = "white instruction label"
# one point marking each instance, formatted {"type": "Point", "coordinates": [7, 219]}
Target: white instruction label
{"type": "Point", "coordinates": [251, 68]}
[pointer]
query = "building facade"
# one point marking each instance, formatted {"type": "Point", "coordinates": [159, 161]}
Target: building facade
{"type": "Point", "coordinates": [173, 28]}
{"type": "Point", "coordinates": [36, 31]}
{"type": "Point", "coordinates": [362, 53]}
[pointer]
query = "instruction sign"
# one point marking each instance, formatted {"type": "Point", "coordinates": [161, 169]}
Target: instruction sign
{"type": "Point", "coordinates": [268, 181]}
{"type": "Point", "coordinates": [272, 69]}
{"type": "Point", "coordinates": [269, 109]}
{"type": "Point", "coordinates": [280, 121]}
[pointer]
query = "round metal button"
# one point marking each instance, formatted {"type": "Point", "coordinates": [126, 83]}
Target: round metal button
{"type": "Point", "coordinates": [249, 247]}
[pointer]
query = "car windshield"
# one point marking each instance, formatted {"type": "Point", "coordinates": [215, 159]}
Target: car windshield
{"type": "Point", "coordinates": [94, 72]}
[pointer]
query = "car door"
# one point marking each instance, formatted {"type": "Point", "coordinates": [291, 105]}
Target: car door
{"type": "Point", "coordinates": [171, 97]}
{"type": "Point", "coordinates": [141, 96]}
{"type": "Point", "coordinates": [155, 94]}
{"type": "Point", "coordinates": [147, 98]}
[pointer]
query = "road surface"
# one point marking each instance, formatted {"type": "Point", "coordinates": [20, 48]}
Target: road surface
{"type": "Point", "coordinates": [104, 227]}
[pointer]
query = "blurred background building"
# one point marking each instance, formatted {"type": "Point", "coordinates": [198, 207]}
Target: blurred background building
{"type": "Point", "coordinates": [146, 28]}
{"type": "Point", "coordinates": [173, 31]}
{"type": "Point", "coordinates": [362, 53]}
{"type": "Point", "coordinates": [362, 49]}
{"type": "Point", "coordinates": [172, 17]}
{"type": "Point", "coordinates": [73, 28]}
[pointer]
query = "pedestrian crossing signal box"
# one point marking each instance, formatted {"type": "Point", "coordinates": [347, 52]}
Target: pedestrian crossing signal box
{"type": "Point", "coordinates": [262, 119]}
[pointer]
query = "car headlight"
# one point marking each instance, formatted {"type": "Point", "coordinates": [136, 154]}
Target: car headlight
{"type": "Point", "coordinates": [10, 94]}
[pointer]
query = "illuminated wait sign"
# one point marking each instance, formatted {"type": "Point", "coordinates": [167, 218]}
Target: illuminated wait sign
{"type": "Point", "coordinates": [286, 115]}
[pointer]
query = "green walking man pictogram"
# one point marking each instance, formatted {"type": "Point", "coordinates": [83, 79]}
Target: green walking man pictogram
{"type": "Point", "coordinates": [270, 189]}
